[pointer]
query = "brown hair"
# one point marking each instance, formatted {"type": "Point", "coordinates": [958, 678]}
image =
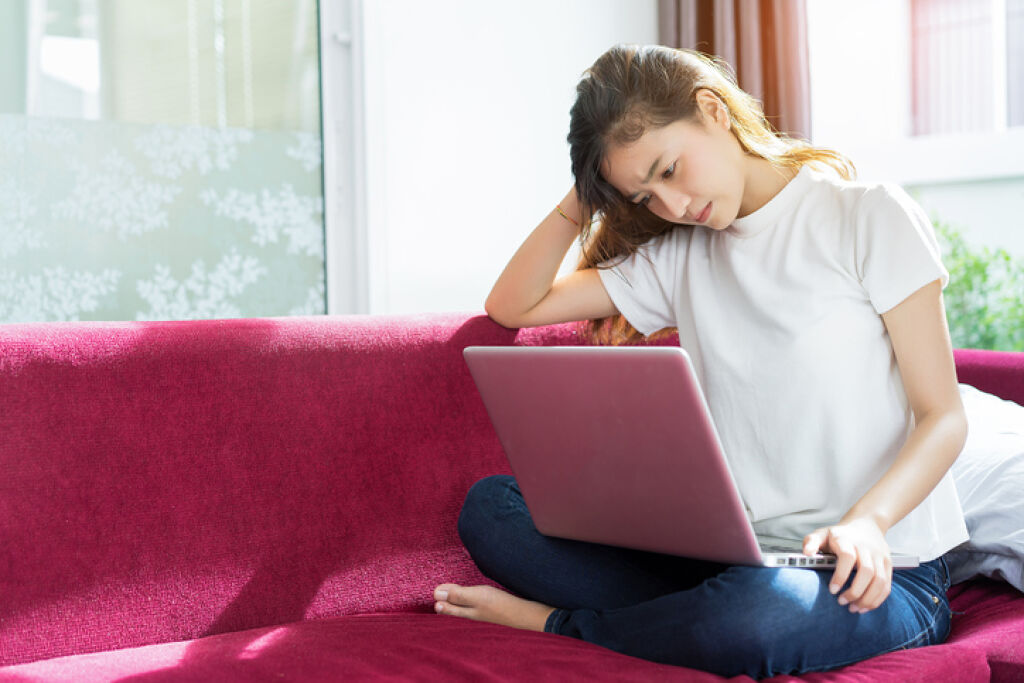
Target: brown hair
{"type": "Point", "coordinates": [631, 89]}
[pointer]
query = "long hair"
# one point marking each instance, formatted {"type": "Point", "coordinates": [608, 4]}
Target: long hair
{"type": "Point", "coordinates": [629, 90]}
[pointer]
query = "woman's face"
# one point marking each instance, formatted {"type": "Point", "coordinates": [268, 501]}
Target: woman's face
{"type": "Point", "coordinates": [685, 172]}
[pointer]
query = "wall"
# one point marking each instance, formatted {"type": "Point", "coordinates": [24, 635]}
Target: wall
{"type": "Point", "coordinates": [987, 212]}
{"type": "Point", "coordinates": [861, 106]}
{"type": "Point", "coordinates": [467, 109]}
{"type": "Point", "coordinates": [858, 92]}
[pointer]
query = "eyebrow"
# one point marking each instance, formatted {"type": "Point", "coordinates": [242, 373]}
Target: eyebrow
{"type": "Point", "coordinates": [646, 180]}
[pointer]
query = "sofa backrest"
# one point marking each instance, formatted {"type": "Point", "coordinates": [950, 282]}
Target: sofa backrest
{"type": "Point", "coordinates": [166, 480]}
{"type": "Point", "coordinates": [995, 372]}
{"type": "Point", "coordinates": [163, 481]}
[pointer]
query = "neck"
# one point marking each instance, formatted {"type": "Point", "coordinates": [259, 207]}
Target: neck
{"type": "Point", "coordinates": [762, 181]}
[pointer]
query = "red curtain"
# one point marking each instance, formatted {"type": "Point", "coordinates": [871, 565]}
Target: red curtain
{"type": "Point", "coordinates": [765, 41]}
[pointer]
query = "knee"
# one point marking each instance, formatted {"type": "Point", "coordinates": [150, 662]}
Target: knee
{"type": "Point", "coordinates": [480, 508]}
{"type": "Point", "coordinates": [774, 620]}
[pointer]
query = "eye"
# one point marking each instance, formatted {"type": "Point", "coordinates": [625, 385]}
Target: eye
{"type": "Point", "coordinates": [666, 174]}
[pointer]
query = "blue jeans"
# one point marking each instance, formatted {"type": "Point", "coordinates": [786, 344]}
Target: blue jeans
{"type": "Point", "coordinates": [725, 619]}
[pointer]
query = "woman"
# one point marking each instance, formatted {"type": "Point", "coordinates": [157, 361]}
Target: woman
{"type": "Point", "coordinates": [811, 306]}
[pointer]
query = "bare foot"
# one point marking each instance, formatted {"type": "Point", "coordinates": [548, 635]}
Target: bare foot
{"type": "Point", "coordinates": [486, 603]}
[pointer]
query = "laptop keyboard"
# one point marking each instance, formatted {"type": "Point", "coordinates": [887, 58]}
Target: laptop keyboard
{"type": "Point", "coordinates": [796, 557]}
{"type": "Point", "coordinates": [802, 561]}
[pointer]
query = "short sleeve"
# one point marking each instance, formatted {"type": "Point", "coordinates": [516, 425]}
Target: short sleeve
{"type": "Point", "coordinates": [897, 252]}
{"type": "Point", "coordinates": [642, 286]}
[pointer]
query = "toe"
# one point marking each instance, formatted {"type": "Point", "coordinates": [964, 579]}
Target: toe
{"type": "Point", "coordinates": [444, 607]}
{"type": "Point", "coordinates": [444, 591]}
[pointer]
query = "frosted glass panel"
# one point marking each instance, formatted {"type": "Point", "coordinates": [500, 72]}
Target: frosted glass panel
{"type": "Point", "coordinates": [161, 160]}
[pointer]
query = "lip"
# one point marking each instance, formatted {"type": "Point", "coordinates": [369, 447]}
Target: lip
{"type": "Point", "coordinates": [704, 215]}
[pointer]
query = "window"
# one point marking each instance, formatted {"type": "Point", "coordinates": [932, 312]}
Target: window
{"type": "Point", "coordinates": [959, 71]}
{"type": "Point", "coordinates": [928, 94]}
{"type": "Point", "coordinates": [920, 91]}
{"type": "Point", "coordinates": [1015, 61]}
{"type": "Point", "coordinates": [161, 160]}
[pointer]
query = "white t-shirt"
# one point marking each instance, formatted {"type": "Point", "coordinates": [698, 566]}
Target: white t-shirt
{"type": "Point", "coordinates": [781, 315]}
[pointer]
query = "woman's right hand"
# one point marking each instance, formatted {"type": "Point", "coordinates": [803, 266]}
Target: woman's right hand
{"type": "Point", "coordinates": [527, 294]}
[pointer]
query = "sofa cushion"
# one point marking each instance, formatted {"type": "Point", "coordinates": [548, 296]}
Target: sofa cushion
{"type": "Point", "coordinates": [989, 616]}
{"type": "Point", "coordinates": [171, 480]}
{"type": "Point", "coordinates": [989, 476]}
{"type": "Point", "coordinates": [432, 647]}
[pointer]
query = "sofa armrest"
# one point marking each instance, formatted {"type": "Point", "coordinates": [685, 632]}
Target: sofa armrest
{"type": "Point", "coordinates": [995, 372]}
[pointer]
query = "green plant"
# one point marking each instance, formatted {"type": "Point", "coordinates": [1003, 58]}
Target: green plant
{"type": "Point", "coordinates": [985, 295]}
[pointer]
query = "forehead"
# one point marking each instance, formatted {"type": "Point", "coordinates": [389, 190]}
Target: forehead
{"type": "Point", "coordinates": [626, 166]}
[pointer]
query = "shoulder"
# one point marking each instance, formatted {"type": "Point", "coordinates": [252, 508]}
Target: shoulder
{"type": "Point", "coordinates": [865, 202]}
{"type": "Point", "coordinates": [888, 200]}
{"type": "Point", "coordinates": [657, 252]}
{"type": "Point", "coordinates": [665, 244]}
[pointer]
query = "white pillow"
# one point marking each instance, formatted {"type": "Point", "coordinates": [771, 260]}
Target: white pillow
{"type": "Point", "coordinates": [989, 476]}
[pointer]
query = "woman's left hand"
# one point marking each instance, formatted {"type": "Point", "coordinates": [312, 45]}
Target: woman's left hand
{"type": "Point", "coordinates": [858, 543]}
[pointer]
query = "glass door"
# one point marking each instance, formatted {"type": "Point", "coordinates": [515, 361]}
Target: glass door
{"type": "Point", "coordinates": [160, 160]}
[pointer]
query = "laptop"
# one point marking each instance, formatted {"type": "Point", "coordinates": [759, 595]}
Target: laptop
{"type": "Point", "coordinates": [616, 445]}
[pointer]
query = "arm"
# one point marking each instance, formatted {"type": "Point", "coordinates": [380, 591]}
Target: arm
{"type": "Point", "coordinates": [527, 294]}
{"type": "Point", "coordinates": [924, 354]}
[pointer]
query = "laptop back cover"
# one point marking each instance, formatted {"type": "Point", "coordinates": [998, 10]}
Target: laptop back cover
{"type": "Point", "coordinates": [615, 445]}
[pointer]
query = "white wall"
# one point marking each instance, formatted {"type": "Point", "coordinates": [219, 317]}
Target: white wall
{"type": "Point", "coordinates": [860, 82]}
{"type": "Point", "coordinates": [860, 105]}
{"type": "Point", "coordinates": [467, 109]}
{"type": "Point", "coordinates": [986, 213]}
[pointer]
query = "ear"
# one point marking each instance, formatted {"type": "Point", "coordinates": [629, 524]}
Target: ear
{"type": "Point", "coordinates": [713, 109]}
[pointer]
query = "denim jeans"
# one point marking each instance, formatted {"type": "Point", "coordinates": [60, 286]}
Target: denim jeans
{"type": "Point", "coordinates": [725, 619]}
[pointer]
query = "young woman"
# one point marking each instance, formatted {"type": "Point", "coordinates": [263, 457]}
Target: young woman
{"type": "Point", "coordinates": [811, 306]}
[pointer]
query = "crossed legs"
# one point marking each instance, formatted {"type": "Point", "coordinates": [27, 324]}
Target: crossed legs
{"type": "Point", "coordinates": [729, 620]}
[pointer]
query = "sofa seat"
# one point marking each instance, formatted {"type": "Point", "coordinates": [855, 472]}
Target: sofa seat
{"type": "Point", "coordinates": [985, 644]}
{"type": "Point", "coordinates": [430, 647]}
{"type": "Point", "coordinates": [988, 616]}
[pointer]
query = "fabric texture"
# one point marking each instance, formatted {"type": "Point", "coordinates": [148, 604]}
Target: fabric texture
{"type": "Point", "coordinates": [994, 372]}
{"type": "Point", "coordinates": [780, 313]}
{"type": "Point", "coordinates": [730, 620]}
{"type": "Point", "coordinates": [169, 486]}
{"type": "Point", "coordinates": [989, 476]}
{"type": "Point", "coordinates": [428, 647]}
{"type": "Point", "coordinates": [985, 617]}
{"type": "Point", "coordinates": [170, 480]}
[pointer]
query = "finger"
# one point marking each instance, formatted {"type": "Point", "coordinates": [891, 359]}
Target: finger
{"type": "Point", "coordinates": [846, 558]}
{"type": "Point", "coordinates": [880, 588]}
{"type": "Point", "coordinates": [866, 572]}
{"type": "Point", "coordinates": [813, 541]}
{"type": "Point", "coordinates": [875, 595]}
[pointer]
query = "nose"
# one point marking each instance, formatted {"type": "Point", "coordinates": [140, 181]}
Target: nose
{"type": "Point", "coordinates": [676, 203]}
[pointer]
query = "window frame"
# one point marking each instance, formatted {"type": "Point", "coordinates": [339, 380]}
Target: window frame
{"type": "Point", "coordinates": [928, 159]}
{"type": "Point", "coordinates": [343, 135]}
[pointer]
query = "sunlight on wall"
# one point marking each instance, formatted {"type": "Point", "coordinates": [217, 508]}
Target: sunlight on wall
{"type": "Point", "coordinates": [468, 109]}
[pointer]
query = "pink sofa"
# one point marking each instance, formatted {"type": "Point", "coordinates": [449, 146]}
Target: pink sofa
{"type": "Point", "coordinates": [276, 498]}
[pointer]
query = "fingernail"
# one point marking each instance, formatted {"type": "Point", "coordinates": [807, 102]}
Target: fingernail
{"type": "Point", "coordinates": [441, 595]}
{"type": "Point", "coordinates": [438, 607]}
{"type": "Point", "coordinates": [843, 601]}
{"type": "Point", "coordinates": [854, 609]}
{"type": "Point", "coordinates": [833, 589]}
